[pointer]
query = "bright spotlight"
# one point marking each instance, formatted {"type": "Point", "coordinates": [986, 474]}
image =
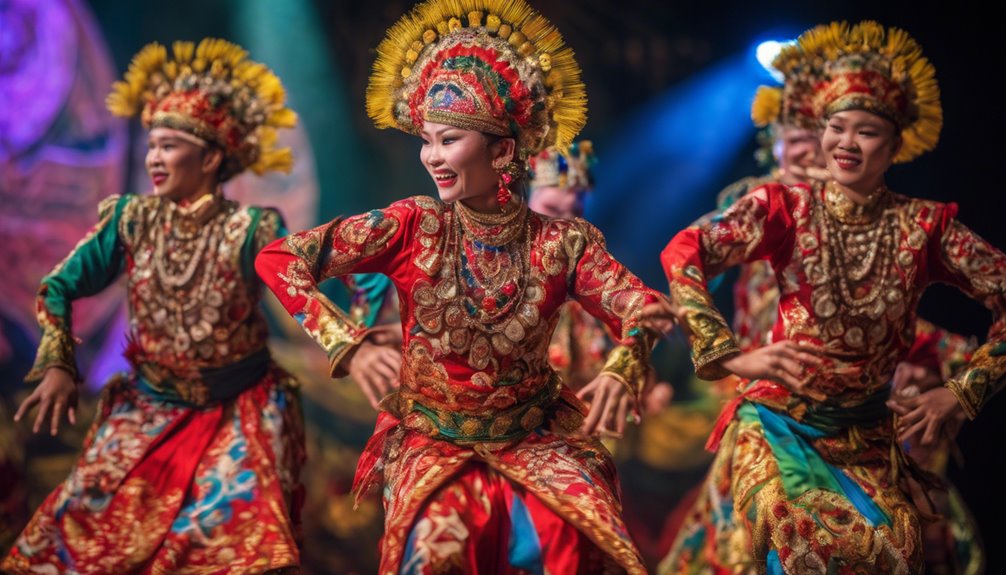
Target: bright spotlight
{"type": "Point", "coordinates": [767, 51]}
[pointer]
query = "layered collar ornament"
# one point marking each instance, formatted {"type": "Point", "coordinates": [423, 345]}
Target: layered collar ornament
{"type": "Point", "coordinates": [846, 211]}
{"type": "Point", "coordinates": [493, 230]}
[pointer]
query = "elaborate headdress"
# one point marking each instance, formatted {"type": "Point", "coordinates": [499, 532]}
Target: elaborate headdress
{"type": "Point", "coordinates": [865, 67]}
{"type": "Point", "coordinates": [213, 92]}
{"type": "Point", "coordinates": [495, 66]}
{"type": "Point", "coordinates": [570, 170]}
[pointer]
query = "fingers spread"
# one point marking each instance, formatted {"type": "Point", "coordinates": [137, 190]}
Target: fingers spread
{"type": "Point", "coordinates": [932, 431]}
{"type": "Point", "coordinates": [910, 432]}
{"type": "Point", "coordinates": [368, 389]}
{"type": "Point", "coordinates": [622, 414]}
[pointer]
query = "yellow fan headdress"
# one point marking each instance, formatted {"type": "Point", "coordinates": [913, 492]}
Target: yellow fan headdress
{"type": "Point", "coordinates": [496, 66]}
{"type": "Point", "coordinates": [214, 92]}
{"type": "Point", "coordinates": [883, 71]}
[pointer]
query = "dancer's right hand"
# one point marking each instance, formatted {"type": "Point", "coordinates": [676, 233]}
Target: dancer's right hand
{"type": "Point", "coordinates": [784, 362]}
{"type": "Point", "coordinates": [375, 368]}
{"type": "Point", "coordinates": [56, 395]}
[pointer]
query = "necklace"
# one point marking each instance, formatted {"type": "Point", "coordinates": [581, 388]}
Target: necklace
{"type": "Point", "coordinates": [493, 230]}
{"type": "Point", "coordinates": [859, 249]}
{"type": "Point", "coordinates": [847, 211]}
{"type": "Point", "coordinates": [188, 301]}
{"type": "Point", "coordinates": [492, 277]}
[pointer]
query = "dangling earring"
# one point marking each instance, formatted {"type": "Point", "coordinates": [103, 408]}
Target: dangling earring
{"type": "Point", "coordinates": [503, 195]}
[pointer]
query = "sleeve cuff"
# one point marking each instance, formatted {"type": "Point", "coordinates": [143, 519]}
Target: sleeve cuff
{"type": "Point", "coordinates": [626, 364]}
{"type": "Point", "coordinates": [957, 388]}
{"type": "Point", "coordinates": [54, 350]}
{"type": "Point", "coordinates": [707, 365]}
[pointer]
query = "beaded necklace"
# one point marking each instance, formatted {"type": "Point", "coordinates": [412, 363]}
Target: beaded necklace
{"type": "Point", "coordinates": [492, 266]}
{"type": "Point", "coordinates": [855, 237]}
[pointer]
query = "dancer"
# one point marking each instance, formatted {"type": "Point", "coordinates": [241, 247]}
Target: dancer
{"type": "Point", "coordinates": [824, 481]}
{"type": "Point", "coordinates": [192, 463]}
{"type": "Point", "coordinates": [486, 459]}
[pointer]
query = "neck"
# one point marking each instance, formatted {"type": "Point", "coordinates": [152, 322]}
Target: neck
{"type": "Point", "coordinates": [485, 204]}
{"type": "Point", "coordinates": [198, 207]}
{"type": "Point", "coordinates": [861, 193]}
{"type": "Point", "coordinates": [204, 189]}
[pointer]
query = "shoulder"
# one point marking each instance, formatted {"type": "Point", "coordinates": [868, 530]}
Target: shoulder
{"type": "Point", "coordinates": [565, 226]}
{"type": "Point", "coordinates": [132, 205]}
{"type": "Point", "coordinates": [571, 236]}
{"type": "Point", "coordinates": [424, 211]}
{"type": "Point", "coordinates": [418, 204]}
{"type": "Point", "coordinates": [134, 213]}
{"type": "Point", "coordinates": [930, 214]}
{"type": "Point", "coordinates": [259, 225]}
{"type": "Point", "coordinates": [265, 215]}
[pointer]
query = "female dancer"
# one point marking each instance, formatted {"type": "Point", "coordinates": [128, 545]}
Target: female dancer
{"type": "Point", "coordinates": [809, 476]}
{"type": "Point", "coordinates": [193, 462]}
{"type": "Point", "coordinates": [485, 457]}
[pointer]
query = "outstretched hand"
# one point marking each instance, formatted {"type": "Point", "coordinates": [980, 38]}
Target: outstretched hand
{"type": "Point", "coordinates": [55, 396]}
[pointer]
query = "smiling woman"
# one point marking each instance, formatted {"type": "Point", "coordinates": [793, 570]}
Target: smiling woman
{"type": "Point", "coordinates": [825, 483]}
{"type": "Point", "coordinates": [480, 415]}
{"type": "Point", "coordinates": [193, 461]}
{"type": "Point", "coordinates": [859, 147]}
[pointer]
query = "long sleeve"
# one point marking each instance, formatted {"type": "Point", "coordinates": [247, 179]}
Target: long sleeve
{"type": "Point", "coordinates": [93, 264]}
{"type": "Point", "coordinates": [293, 267]}
{"type": "Point", "coordinates": [758, 226]}
{"type": "Point", "coordinates": [610, 292]}
{"type": "Point", "coordinates": [977, 268]}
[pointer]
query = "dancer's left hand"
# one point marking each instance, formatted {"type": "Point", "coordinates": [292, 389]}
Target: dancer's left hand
{"type": "Point", "coordinates": [933, 413]}
{"type": "Point", "coordinates": [610, 406]}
